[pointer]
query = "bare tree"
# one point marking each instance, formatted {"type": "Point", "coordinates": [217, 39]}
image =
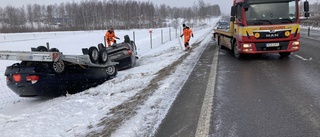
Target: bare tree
{"type": "Point", "coordinates": [95, 14]}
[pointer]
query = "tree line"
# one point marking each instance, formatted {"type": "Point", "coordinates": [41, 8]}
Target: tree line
{"type": "Point", "coordinates": [95, 15]}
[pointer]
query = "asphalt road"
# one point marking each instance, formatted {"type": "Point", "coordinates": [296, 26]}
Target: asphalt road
{"type": "Point", "coordinates": [266, 95]}
{"type": "Point", "coordinates": [257, 96]}
{"type": "Point", "coordinates": [182, 118]}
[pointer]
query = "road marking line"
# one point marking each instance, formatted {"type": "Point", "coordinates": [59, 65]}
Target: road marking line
{"type": "Point", "coordinates": [203, 127]}
{"type": "Point", "coordinates": [300, 57]}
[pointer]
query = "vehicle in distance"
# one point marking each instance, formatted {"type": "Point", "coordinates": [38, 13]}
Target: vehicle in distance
{"type": "Point", "coordinates": [223, 25]}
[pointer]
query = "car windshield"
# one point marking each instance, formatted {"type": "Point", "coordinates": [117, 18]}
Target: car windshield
{"type": "Point", "coordinates": [223, 23]}
{"type": "Point", "coordinates": [272, 13]}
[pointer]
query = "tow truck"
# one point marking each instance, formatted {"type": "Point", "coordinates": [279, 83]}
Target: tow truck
{"type": "Point", "coordinates": [262, 26]}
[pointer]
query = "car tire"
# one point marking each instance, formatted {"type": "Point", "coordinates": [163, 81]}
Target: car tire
{"type": "Point", "coordinates": [54, 50]}
{"type": "Point", "coordinates": [93, 54]}
{"type": "Point", "coordinates": [101, 46]}
{"type": "Point", "coordinates": [103, 56]}
{"type": "Point", "coordinates": [111, 71]}
{"type": "Point", "coordinates": [41, 48]}
{"type": "Point", "coordinates": [126, 39]}
{"type": "Point", "coordinates": [58, 67]}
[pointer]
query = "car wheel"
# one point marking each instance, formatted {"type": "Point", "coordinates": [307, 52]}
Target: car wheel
{"type": "Point", "coordinates": [103, 56]}
{"type": "Point", "coordinates": [93, 54]}
{"type": "Point", "coordinates": [41, 48]}
{"type": "Point", "coordinates": [126, 39]}
{"type": "Point", "coordinates": [58, 67]}
{"type": "Point", "coordinates": [100, 46]}
{"type": "Point", "coordinates": [54, 50]}
{"type": "Point", "coordinates": [111, 71]}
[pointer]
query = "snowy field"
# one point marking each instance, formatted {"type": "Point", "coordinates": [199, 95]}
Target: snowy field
{"type": "Point", "coordinates": [81, 114]}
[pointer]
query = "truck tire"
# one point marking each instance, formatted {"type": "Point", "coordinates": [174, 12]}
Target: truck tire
{"type": "Point", "coordinates": [41, 48]}
{"type": "Point", "coordinates": [219, 42]}
{"type": "Point", "coordinates": [93, 54]}
{"type": "Point", "coordinates": [58, 67]}
{"type": "Point", "coordinates": [103, 56]}
{"type": "Point", "coordinates": [236, 52]}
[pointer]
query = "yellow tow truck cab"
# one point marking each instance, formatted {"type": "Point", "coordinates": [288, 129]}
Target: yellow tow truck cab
{"type": "Point", "coordinates": [262, 26]}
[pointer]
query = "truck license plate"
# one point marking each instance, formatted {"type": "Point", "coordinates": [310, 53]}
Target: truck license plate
{"type": "Point", "coordinates": [272, 44]}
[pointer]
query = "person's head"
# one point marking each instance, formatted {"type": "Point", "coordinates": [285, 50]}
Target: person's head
{"type": "Point", "coordinates": [184, 25]}
{"type": "Point", "coordinates": [111, 29]}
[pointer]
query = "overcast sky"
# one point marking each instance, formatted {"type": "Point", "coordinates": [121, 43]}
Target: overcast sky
{"type": "Point", "coordinates": [225, 5]}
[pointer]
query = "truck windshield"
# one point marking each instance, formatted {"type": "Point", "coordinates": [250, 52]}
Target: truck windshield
{"type": "Point", "coordinates": [272, 13]}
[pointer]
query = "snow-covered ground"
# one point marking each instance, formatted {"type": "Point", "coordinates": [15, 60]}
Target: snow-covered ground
{"type": "Point", "coordinates": [91, 111]}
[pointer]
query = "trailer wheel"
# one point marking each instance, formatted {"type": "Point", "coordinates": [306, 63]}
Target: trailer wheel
{"type": "Point", "coordinates": [111, 71]}
{"type": "Point", "coordinates": [103, 56]}
{"type": "Point", "coordinates": [236, 52]}
{"type": "Point", "coordinates": [41, 48]}
{"type": "Point", "coordinates": [58, 67]}
{"type": "Point", "coordinates": [93, 54]}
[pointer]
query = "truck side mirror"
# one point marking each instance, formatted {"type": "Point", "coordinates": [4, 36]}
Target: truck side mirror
{"type": "Point", "coordinates": [233, 11]}
{"type": "Point", "coordinates": [306, 6]}
{"type": "Point", "coordinates": [306, 9]}
{"type": "Point", "coordinates": [232, 19]}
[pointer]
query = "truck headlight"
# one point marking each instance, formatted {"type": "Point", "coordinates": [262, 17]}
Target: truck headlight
{"type": "Point", "coordinates": [247, 45]}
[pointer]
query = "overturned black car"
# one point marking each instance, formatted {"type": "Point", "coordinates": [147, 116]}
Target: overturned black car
{"type": "Point", "coordinates": [49, 73]}
{"type": "Point", "coordinates": [38, 79]}
{"type": "Point", "coordinates": [124, 53]}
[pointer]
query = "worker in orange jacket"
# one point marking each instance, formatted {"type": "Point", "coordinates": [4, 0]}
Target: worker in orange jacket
{"type": "Point", "coordinates": [110, 36]}
{"type": "Point", "coordinates": [187, 33]}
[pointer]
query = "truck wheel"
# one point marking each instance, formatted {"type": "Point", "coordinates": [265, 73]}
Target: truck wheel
{"type": "Point", "coordinates": [236, 52]}
{"type": "Point", "coordinates": [219, 42]}
{"type": "Point", "coordinates": [111, 71]}
{"type": "Point", "coordinates": [41, 48]}
{"type": "Point", "coordinates": [284, 54]}
{"type": "Point", "coordinates": [103, 56]}
{"type": "Point", "coordinates": [93, 54]}
{"type": "Point", "coordinates": [58, 67]}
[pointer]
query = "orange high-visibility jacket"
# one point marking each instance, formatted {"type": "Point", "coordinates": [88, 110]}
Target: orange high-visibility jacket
{"type": "Point", "coordinates": [110, 36]}
{"type": "Point", "coordinates": [187, 32]}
